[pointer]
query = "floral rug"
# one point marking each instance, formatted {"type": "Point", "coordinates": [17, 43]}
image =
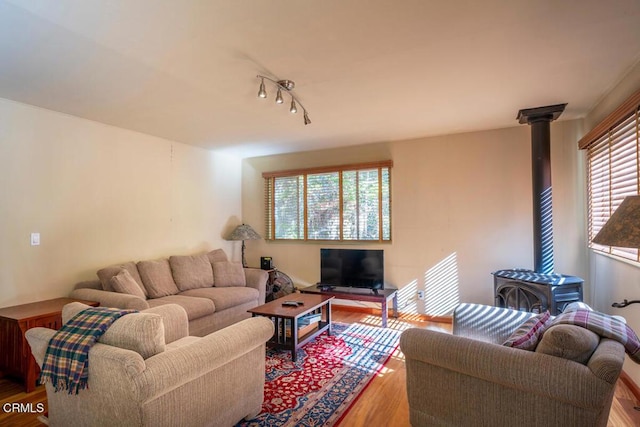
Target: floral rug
{"type": "Point", "coordinates": [327, 378]}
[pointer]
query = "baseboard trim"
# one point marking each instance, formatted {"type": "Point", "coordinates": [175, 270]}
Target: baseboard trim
{"type": "Point", "coordinates": [401, 315]}
{"type": "Point", "coordinates": [631, 385]}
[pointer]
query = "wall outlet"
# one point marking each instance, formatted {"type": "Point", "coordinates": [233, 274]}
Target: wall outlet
{"type": "Point", "coordinates": [421, 295]}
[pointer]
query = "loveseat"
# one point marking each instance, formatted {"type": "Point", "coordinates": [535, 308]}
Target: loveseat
{"type": "Point", "coordinates": [146, 371]}
{"type": "Point", "coordinates": [469, 378]}
{"type": "Point", "coordinates": [214, 292]}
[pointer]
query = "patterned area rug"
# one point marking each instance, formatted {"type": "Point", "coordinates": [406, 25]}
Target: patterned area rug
{"type": "Point", "coordinates": [327, 378]}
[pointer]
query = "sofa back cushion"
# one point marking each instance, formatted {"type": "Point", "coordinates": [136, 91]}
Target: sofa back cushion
{"type": "Point", "coordinates": [226, 274]}
{"type": "Point", "coordinates": [191, 271]}
{"type": "Point", "coordinates": [139, 332]}
{"type": "Point", "coordinates": [217, 255]}
{"type": "Point", "coordinates": [157, 278]}
{"type": "Point", "coordinates": [124, 283]}
{"type": "Point", "coordinates": [569, 342]}
{"type": "Point", "coordinates": [105, 275]}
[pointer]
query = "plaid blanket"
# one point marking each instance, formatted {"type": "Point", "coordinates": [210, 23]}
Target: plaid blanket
{"type": "Point", "coordinates": [605, 326]}
{"type": "Point", "coordinates": [66, 362]}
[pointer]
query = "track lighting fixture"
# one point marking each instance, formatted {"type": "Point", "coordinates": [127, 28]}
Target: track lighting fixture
{"type": "Point", "coordinates": [287, 86]}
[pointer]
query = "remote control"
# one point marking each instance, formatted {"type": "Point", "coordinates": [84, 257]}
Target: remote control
{"type": "Point", "coordinates": [290, 304]}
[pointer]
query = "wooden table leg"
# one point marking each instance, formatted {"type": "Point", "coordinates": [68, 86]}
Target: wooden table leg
{"type": "Point", "coordinates": [395, 305]}
{"type": "Point", "coordinates": [384, 313]}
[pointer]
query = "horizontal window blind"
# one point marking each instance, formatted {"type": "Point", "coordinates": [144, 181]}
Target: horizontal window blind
{"type": "Point", "coordinates": [613, 162]}
{"type": "Point", "coordinates": [341, 203]}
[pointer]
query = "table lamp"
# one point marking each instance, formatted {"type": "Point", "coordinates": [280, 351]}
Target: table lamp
{"type": "Point", "coordinates": [244, 232]}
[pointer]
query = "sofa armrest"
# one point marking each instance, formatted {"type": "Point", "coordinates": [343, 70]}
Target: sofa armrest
{"type": "Point", "coordinates": [482, 368]}
{"type": "Point", "coordinates": [171, 369]}
{"type": "Point", "coordinates": [110, 299]}
{"type": "Point", "coordinates": [257, 279]}
{"type": "Point", "coordinates": [38, 339]}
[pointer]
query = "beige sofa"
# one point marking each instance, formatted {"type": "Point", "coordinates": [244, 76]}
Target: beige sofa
{"type": "Point", "coordinates": [214, 292]}
{"type": "Point", "coordinates": [146, 371]}
{"type": "Point", "coordinates": [469, 379]}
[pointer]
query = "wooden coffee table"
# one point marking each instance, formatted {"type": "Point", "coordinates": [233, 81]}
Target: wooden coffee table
{"type": "Point", "coordinates": [288, 333]}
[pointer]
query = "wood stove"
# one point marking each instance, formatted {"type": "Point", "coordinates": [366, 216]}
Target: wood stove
{"type": "Point", "coordinates": [527, 290]}
{"type": "Point", "coordinates": [540, 289]}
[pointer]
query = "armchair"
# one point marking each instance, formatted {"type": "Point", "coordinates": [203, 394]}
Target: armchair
{"type": "Point", "coordinates": [469, 379]}
{"type": "Point", "coordinates": [142, 373]}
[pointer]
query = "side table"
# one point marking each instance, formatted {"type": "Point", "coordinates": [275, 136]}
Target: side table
{"type": "Point", "coordinates": [15, 358]}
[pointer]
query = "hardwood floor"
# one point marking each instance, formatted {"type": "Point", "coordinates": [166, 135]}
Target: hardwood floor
{"type": "Point", "coordinates": [384, 399]}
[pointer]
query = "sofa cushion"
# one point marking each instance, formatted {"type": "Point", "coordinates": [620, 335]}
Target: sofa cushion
{"type": "Point", "coordinates": [124, 283]}
{"type": "Point", "coordinates": [191, 271]}
{"type": "Point", "coordinates": [175, 320]}
{"type": "Point", "coordinates": [227, 274]}
{"type": "Point", "coordinates": [105, 274]}
{"type": "Point", "coordinates": [157, 278]}
{"type": "Point", "coordinates": [527, 335]}
{"type": "Point", "coordinates": [224, 298]}
{"type": "Point", "coordinates": [195, 307]}
{"type": "Point", "coordinates": [217, 255]}
{"type": "Point", "coordinates": [139, 332]}
{"type": "Point", "coordinates": [569, 342]}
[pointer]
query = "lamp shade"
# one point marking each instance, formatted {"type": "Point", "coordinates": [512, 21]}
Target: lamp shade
{"type": "Point", "coordinates": [244, 232]}
{"type": "Point", "coordinates": [623, 227]}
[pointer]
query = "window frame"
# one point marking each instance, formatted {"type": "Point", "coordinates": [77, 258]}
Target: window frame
{"type": "Point", "coordinates": [270, 205]}
{"type": "Point", "coordinates": [613, 170]}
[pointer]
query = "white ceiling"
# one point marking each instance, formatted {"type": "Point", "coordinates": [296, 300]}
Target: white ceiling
{"type": "Point", "coordinates": [366, 70]}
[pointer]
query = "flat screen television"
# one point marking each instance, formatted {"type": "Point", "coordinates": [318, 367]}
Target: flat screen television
{"type": "Point", "coordinates": [353, 268]}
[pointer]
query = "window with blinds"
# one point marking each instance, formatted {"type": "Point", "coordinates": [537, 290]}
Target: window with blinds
{"type": "Point", "coordinates": [348, 203]}
{"type": "Point", "coordinates": [613, 163]}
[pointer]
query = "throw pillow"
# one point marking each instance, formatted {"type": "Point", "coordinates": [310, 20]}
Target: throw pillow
{"type": "Point", "coordinates": [569, 342]}
{"type": "Point", "coordinates": [227, 274]}
{"type": "Point", "coordinates": [157, 278]}
{"type": "Point", "coordinates": [578, 305]}
{"type": "Point", "coordinates": [124, 283]}
{"type": "Point", "coordinates": [191, 271]}
{"type": "Point", "coordinates": [527, 335]}
{"type": "Point", "coordinates": [105, 274]}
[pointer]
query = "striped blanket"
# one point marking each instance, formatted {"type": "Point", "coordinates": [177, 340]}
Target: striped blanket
{"type": "Point", "coordinates": [605, 326]}
{"type": "Point", "coordinates": [66, 362]}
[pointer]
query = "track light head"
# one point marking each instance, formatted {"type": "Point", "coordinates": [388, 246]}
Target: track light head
{"type": "Point", "coordinates": [262, 93]}
{"type": "Point", "coordinates": [283, 85]}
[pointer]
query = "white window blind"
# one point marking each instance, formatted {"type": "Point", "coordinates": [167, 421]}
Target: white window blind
{"type": "Point", "coordinates": [613, 164]}
{"type": "Point", "coordinates": [351, 203]}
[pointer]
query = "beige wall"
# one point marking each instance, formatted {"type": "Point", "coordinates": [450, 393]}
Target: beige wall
{"type": "Point", "coordinates": [99, 195]}
{"type": "Point", "coordinates": [461, 209]}
{"type": "Point", "coordinates": [613, 279]}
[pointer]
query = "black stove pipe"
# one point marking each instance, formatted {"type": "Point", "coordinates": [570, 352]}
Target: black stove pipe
{"type": "Point", "coordinates": [540, 119]}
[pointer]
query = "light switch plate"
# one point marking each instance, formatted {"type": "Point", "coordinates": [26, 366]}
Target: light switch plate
{"type": "Point", "coordinates": [35, 239]}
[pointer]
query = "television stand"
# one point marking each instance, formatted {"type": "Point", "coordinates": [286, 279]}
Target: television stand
{"type": "Point", "coordinates": [381, 296]}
